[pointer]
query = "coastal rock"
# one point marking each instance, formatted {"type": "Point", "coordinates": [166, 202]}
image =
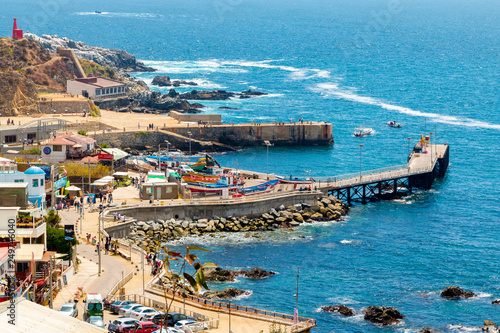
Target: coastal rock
{"type": "Point", "coordinates": [496, 302]}
{"type": "Point", "coordinates": [427, 330]}
{"type": "Point", "coordinates": [218, 275]}
{"type": "Point", "coordinates": [383, 315]}
{"type": "Point", "coordinates": [490, 327]}
{"type": "Point", "coordinates": [105, 57]}
{"type": "Point", "coordinates": [164, 81]}
{"type": "Point", "coordinates": [255, 273]}
{"type": "Point", "coordinates": [342, 309]}
{"type": "Point", "coordinates": [456, 292]}
{"type": "Point", "coordinates": [218, 95]}
{"type": "Point", "coordinates": [227, 293]}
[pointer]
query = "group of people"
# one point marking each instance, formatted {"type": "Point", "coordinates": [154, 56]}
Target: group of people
{"type": "Point", "coordinates": [156, 264]}
{"type": "Point", "coordinates": [118, 217]}
{"type": "Point", "coordinates": [107, 243]}
{"type": "Point", "coordinates": [10, 122]}
{"type": "Point", "coordinates": [7, 284]}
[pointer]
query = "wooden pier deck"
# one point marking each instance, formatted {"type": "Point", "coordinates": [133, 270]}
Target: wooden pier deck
{"type": "Point", "coordinates": [420, 172]}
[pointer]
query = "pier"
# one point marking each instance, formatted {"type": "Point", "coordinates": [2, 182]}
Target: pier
{"type": "Point", "coordinates": [420, 172]}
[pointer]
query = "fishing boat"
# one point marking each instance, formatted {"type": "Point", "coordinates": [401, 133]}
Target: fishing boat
{"type": "Point", "coordinates": [98, 12]}
{"type": "Point", "coordinates": [259, 189]}
{"type": "Point", "coordinates": [193, 178]}
{"type": "Point", "coordinates": [200, 165]}
{"type": "Point", "coordinates": [362, 131]}
{"type": "Point", "coordinates": [294, 180]}
{"type": "Point", "coordinates": [208, 188]}
{"type": "Point", "coordinates": [394, 124]}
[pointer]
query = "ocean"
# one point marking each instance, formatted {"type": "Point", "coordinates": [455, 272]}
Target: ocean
{"type": "Point", "coordinates": [432, 66]}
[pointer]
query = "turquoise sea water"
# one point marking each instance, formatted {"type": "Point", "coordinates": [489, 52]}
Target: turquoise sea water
{"type": "Point", "coordinates": [434, 67]}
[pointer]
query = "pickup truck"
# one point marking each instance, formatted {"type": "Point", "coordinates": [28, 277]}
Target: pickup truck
{"type": "Point", "coordinates": [142, 327]}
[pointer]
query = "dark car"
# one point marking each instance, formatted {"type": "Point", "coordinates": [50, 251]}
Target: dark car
{"type": "Point", "coordinates": [173, 318]}
{"type": "Point", "coordinates": [115, 307]}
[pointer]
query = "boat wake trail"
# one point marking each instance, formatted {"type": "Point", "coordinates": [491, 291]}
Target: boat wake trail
{"type": "Point", "coordinates": [332, 90]}
{"type": "Point", "coordinates": [126, 15]}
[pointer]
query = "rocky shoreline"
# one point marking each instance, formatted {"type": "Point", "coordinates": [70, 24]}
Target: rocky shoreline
{"type": "Point", "coordinates": [327, 209]}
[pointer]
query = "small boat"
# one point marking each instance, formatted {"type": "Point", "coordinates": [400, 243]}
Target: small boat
{"type": "Point", "coordinates": [194, 179]}
{"type": "Point", "coordinates": [294, 180]}
{"type": "Point", "coordinates": [362, 131]}
{"type": "Point", "coordinates": [212, 187]}
{"type": "Point", "coordinates": [98, 12]}
{"type": "Point", "coordinates": [394, 124]}
{"type": "Point", "coordinates": [259, 189]}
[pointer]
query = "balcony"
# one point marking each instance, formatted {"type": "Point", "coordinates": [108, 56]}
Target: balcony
{"type": "Point", "coordinates": [29, 222]}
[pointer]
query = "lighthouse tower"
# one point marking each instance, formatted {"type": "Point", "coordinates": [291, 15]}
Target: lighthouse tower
{"type": "Point", "coordinates": [16, 33]}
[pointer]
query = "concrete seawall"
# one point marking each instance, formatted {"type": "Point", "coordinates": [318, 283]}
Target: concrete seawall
{"type": "Point", "coordinates": [243, 135]}
{"type": "Point", "coordinates": [252, 208]}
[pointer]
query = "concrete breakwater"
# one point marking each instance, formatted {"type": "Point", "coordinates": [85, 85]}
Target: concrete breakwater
{"type": "Point", "coordinates": [326, 209]}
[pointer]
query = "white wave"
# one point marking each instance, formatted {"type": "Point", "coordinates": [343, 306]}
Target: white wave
{"type": "Point", "coordinates": [186, 67]}
{"type": "Point", "coordinates": [296, 73]}
{"type": "Point", "coordinates": [345, 241]}
{"type": "Point", "coordinates": [462, 328]}
{"type": "Point", "coordinates": [333, 90]}
{"type": "Point", "coordinates": [115, 14]}
{"type": "Point", "coordinates": [341, 300]}
{"type": "Point", "coordinates": [483, 295]}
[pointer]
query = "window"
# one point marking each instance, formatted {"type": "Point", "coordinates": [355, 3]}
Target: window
{"type": "Point", "coordinates": [19, 181]}
{"type": "Point", "coordinates": [41, 182]}
{"type": "Point", "coordinates": [57, 147]}
{"type": "Point", "coordinates": [107, 90]}
{"type": "Point", "coordinates": [10, 138]}
{"type": "Point", "coordinates": [35, 182]}
{"type": "Point", "coordinates": [115, 90]}
{"type": "Point", "coordinates": [31, 136]}
{"type": "Point", "coordinates": [98, 92]}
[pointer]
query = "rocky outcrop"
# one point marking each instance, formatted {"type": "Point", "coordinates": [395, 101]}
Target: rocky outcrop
{"type": "Point", "coordinates": [227, 293]}
{"type": "Point", "coordinates": [164, 81]}
{"type": "Point", "coordinates": [383, 315]}
{"type": "Point", "coordinates": [496, 302]}
{"type": "Point", "coordinates": [218, 275]}
{"type": "Point", "coordinates": [427, 330]}
{"type": "Point", "coordinates": [490, 327]}
{"type": "Point", "coordinates": [219, 95]}
{"type": "Point", "coordinates": [456, 292]}
{"type": "Point", "coordinates": [103, 56]}
{"type": "Point", "coordinates": [327, 209]}
{"type": "Point", "coordinates": [18, 94]}
{"type": "Point", "coordinates": [341, 309]}
{"type": "Point", "coordinates": [255, 273]}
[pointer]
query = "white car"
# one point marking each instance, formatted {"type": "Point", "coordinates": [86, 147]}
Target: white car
{"type": "Point", "coordinates": [121, 323]}
{"type": "Point", "coordinates": [141, 312]}
{"type": "Point", "coordinates": [169, 330]}
{"type": "Point", "coordinates": [191, 326]}
{"type": "Point", "coordinates": [127, 309]}
{"type": "Point", "coordinates": [69, 309]}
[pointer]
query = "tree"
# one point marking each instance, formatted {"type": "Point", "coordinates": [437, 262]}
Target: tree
{"type": "Point", "coordinates": [53, 219]}
{"type": "Point", "coordinates": [57, 242]}
{"type": "Point", "coordinates": [181, 280]}
{"type": "Point", "coordinates": [82, 132]}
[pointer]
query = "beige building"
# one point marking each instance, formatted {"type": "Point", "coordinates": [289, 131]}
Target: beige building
{"type": "Point", "coordinates": [96, 87]}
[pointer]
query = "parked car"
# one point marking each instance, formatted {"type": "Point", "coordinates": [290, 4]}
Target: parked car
{"type": "Point", "coordinates": [142, 327]}
{"type": "Point", "coordinates": [191, 326]}
{"type": "Point", "coordinates": [121, 323]}
{"type": "Point", "coordinates": [127, 309]}
{"type": "Point", "coordinates": [174, 317]}
{"type": "Point", "coordinates": [115, 307]}
{"type": "Point", "coordinates": [69, 309]}
{"type": "Point", "coordinates": [96, 321]}
{"type": "Point", "coordinates": [169, 330]}
{"type": "Point", "coordinates": [141, 312]}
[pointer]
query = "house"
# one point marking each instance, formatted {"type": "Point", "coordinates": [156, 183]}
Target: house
{"type": "Point", "coordinates": [96, 87]}
{"type": "Point", "coordinates": [67, 146]}
{"type": "Point", "coordinates": [14, 184]}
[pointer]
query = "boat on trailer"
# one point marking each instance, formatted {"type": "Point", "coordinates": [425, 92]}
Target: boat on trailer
{"type": "Point", "coordinates": [362, 131]}
{"type": "Point", "coordinates": [259, 189]}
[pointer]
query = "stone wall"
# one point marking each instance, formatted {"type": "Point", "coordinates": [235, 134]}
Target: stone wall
{"type": "Point", "coordinates": [244, 135]}
{"type": "Point", "coordinates": [215, 119]}
{"type": "Point", "coordinates": [47, 106]}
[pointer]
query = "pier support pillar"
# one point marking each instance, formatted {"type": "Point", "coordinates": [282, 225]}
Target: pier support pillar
{"type": "Point", "coordinates": [395, 190]}
{"type": "Point", "coordinates": [348, 195]}
{"type": "Point", "coordinates": [379, 185]}
{"type": "Point", "coordinates": [364, 194]}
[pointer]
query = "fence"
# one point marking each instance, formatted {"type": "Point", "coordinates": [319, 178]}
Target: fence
{"type": "Point", "coordinates": [120, 284]}
{"type": "Point", "coordinates": [235, 308]}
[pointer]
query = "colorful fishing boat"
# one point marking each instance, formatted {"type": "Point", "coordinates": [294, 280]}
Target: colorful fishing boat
{"type": "Point", "coordinates": [208, 188]}
{"type": "Point", "coordinates": [394, 124]}
{"type": "Point", "coordinates": [261, 188]}
{"type": "Point", "coordinates": [193, 178]}
{"type": "Point", "coordinates": [362, 131]}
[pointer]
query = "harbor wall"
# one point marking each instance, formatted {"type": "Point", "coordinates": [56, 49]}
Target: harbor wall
{"type": "Point", "coordinates": [215, 119]}
{"type": "Point", "coordinates": [244, 135]}
{"type": "Point", "coordinates": [252, 208]}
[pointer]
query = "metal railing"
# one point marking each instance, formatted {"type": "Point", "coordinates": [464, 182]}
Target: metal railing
{"type": "Point", "coordinates": [120, 284]}
{"type": "Point", "coordinates": [235, 308]}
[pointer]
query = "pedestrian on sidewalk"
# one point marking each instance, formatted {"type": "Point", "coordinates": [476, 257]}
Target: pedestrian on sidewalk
{"type": "Point", "coordinates": [114, 216]}
{"type": "Point", "coordinates": [97, 248]}
{"type": "Point", "coordinates": [107, 248]}
{"type": "Point", "coordinates": [88, 237]}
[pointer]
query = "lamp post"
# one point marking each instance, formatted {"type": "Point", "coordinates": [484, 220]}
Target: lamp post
{"type": "Point", "coordinates": [360, 146]}
{"type": "Point", "coordinates": [190, 134]}
{"type": "Point", "coordinates": [408, 151]}
{"type": "Point", "coordinates": [296, 312]}
{"type": "Point", "coordinates": [159, 153]}
{"type": "Point", "coordinates": [268, 144]}
{"type": "Point", "coordinates": [430, 143]}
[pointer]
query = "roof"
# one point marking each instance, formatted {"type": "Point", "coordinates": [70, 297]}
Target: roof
{"type": "Point", "coordinates": [27, 250]}
{"type": "Point", "coordinates": [32, 317]}
{"type": "Point", "coordinates": [117, 153]}
{"type": "Point", "coordinates": [13, 185]}
{"type": "Point", "coordinates": [90, 159]}
{"type": "Point", "coordinates": [99, 82]}
{"type": "Point", "coordinates": [77, 137]}
{"type": "Point", "coordinates": [59, 141]}
{"type": "Point", "coordinates": [34, 171]}
{"type": "Point", "coordinates": [3, 254]}
{"type": "Point", "coordinates": [46, 255]}
{"type": "Point", "coordinates": [120, 174]}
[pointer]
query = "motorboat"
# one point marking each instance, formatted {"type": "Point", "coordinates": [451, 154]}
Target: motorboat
{"type": "Point", "coordinates": [362, 131]}
{"type": "Point", "coordinates": [294, 180]}
{"type": "Point", "coordinates": [394, 124]}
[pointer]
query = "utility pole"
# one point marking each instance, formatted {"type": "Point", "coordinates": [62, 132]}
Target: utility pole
{"type": "Point", "coordinates": [99, 240]}
{"type": "Point", "coordinates": [296, 312]}
{"type": "Point", "coordinates": [360, 146]}
{"type": "Point", "coordinates": [268, 144]}
{"type": "Point", "coordinates": [230, 317]}
{"type": "Point", "coordinates": [81, 208]}
{"type": "Point", "coordinates": [50, 287]}
{"type": "Point", "coordinates": [142, 264]}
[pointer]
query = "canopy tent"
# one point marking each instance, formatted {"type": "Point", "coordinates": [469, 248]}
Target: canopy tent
{"type": "Point", "coordinates": [97, 183]}
{"type": "Point", "coordinates": [117, 153]}
{"type": "Point", "coordinates": [107, 178]}
{"type": "Point", "coordinates": [73, 188]}
{"type": "Point", "coordinates": [120, 174]}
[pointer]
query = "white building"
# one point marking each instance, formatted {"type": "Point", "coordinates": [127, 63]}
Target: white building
{"type": "Point", "coordinates": [34, 178]}
{"type": "Point", "coordinates": [67, 146]}
{"type": "Point", "coordinates": [96, 87]}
